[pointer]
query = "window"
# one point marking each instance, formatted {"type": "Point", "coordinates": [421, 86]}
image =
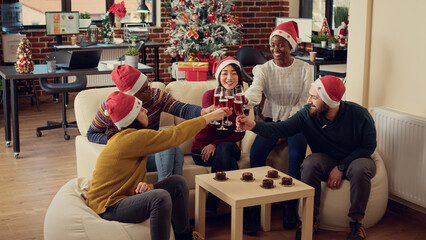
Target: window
{"type": "Point", "coordinates": [335, 11]}
{"type": "Point", "coordinates": [33, 11]}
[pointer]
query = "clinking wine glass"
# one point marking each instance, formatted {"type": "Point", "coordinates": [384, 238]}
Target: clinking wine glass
{"type": "Point", "coordinates": [216, 95]}
{"type": "Point", "coordinates": [223, 103]}
{"type": "Point", "coordinates": [239, 108]}
{"type": "Point", "coordinates": [229, 94]}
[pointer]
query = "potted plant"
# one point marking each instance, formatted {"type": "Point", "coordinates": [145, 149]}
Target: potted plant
{"type": "Point", "coordinates": [333, 41]}
{"type": "Point", "coordinates": [106, 29]}
{"type": "Point", "coordinates": [84, 19]}
{"type": "Point", "coordinates": [132, 57]}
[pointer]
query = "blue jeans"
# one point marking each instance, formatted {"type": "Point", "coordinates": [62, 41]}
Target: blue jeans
{"type": "Point", "coordinates": [224, 158]}
{"type": "Point", "coordinates": [166, 163]}
{"type": "Point", "coordinates": [296, 151]}
{"type": "Point", "coordinates": [168, 202]}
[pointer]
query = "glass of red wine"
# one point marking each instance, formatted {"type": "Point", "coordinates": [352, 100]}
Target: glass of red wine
{"type": "Point", "coordinates": [229, 94]}
{"type": "Point", "coordinates": [216, 95]}
{"type": "Point", "coordinates": [239, 103]}
{"type": "Point", "coordinates": [223, 103]}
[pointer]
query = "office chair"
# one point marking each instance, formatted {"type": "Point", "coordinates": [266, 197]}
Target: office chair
{"type": "Point", "coordinates": [79, 84]}
{"type": "Point", "coordinates": [250, 57]}
{"type": "Point", "coordinates": [341, 75]}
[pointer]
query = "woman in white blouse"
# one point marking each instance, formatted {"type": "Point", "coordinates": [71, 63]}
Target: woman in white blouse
{"type": "Point", "coordinates": [285, 82]}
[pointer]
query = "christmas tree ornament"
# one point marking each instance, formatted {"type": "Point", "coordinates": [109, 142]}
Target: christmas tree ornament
{"type": "Point", "coordinates": [214, 5]}
{"type": "Point", "coordinates": [201, 1]}
{"type": "Point", "coordinates": [169, 37]}
{"type": "Point", "coordinates": [175, 42]}
{"type": "Point", "coordinates": [192, 6]}
{"type": "Point", "coordinates": [207, 34]}
{"type": "Point", "coordinates": [175, 8]}
{"type": "Point", "coordinates": [223, 15]}
{"type": "Point", "coordinates": [173, 54]}
{"type": "Point", "coordinates": [194, 16]}
{"type": "Point", "coordinates": [233, 8]}
{"type": "Point", "coordinates": [24, 62]}
{"type": "Point", "coordinates": [192, 33]}
{"type": "Point", "coordinates": [212, 17]}
{"type": "Point", "coordinates": [181, 3]}
{"type": "Point", "coordinates": [182, 56]}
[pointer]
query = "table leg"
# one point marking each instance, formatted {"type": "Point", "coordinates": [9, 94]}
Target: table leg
{"type": "Point", "coordinates": [265, 217]}
{"type": "Point", "coordinates": [236, 223]}
{"type": "Point", "coordinates": [200, 209]}
{"type": "Point", "coordinates": [157, 65]}
{"type": "Point", "coordinates": [307, 217]}
{"type": "Point", "coordinates": [15, 119]}
{"type": "Point", "coordinates": [144, 56]}
{"type": "Point", "coordinates": [6, 111]}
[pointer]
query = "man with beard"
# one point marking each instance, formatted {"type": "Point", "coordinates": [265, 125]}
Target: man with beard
{"type": "Point", "coordinates": [342, 137]}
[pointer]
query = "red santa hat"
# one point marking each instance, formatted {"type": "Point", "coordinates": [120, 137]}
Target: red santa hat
{"type": "Point", "coordinates": [289, 31]}
{"type": "Point", "coordinates": [128, 79]}
{"type": "Point", "coordinates": [122, 108]}
{"type": "Point", "coordinates": [220, 65]}
{"type": "Point", "coordinates": [330, 89]}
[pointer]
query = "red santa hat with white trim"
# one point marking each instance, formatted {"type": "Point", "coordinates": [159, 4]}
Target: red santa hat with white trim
{"type": "Point", "coordinates": [330, 89]}
{"type": "Point", "coordinates": [122, 108]}
{"type": "Point", "coordinates": [289, 31]}
{"type": "Point", "coordinates": [128, 79]}
{"type": "Point", "coordinates": [220, 65]}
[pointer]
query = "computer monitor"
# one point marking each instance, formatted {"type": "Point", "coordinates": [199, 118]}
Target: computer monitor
{"type": "Point", "coordinates": [304, 25]}
{"type": "Point", "coordinates": [61, 23]}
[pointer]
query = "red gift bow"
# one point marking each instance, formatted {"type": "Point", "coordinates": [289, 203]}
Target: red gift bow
{"type": "Point", "coordinates": [233, 19]}
{"type": "Point", "coordinates": [184, 18]}
{"type": "Point", "coordinates": [192, 32]}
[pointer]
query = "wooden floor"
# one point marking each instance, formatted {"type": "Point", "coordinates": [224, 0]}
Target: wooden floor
{"type": "Point", "coordinates": [29, 183]}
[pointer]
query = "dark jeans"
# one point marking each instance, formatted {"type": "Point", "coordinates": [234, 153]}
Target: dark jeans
{"type": "Point", "coordinates": [224, 159]}
{"type": "Point", "coordinates": [317, 167]}
{"type": "Point", "coordinates": [168, 202]}
{"type": "Point", "coordinates": [296, 151]}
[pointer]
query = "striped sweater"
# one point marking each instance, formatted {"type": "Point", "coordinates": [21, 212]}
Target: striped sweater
{"type": "Point", "coordinates": [161, 102]}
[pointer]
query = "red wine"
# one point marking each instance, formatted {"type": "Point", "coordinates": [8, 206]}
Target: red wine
{"type": "Point", "coordinates": [216, 101]}
{"type": "Point", "coordinates": [238, 107]}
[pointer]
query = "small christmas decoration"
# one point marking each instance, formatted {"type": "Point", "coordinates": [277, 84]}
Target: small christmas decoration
{"type": "Point", "coordinates": [204, 28]}
{"type": "Point", "coordinates": [106, 29]}
{"type": "Point", "coordinates": [24, 62]}
{"type": "Point", "coordinates": [343, 33]}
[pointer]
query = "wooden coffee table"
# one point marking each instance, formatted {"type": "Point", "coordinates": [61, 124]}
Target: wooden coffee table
{"type": "Point", "coordinates": [239, 194]}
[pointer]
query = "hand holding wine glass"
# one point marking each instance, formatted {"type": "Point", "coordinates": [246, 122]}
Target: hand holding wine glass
{"type": "Point", "coordinates": [217, 92]}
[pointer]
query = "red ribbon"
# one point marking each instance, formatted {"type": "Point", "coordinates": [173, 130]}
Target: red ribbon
{"type": "Point", "coordinates": [192, 32]}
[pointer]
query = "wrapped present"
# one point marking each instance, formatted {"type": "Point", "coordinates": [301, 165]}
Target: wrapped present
{"type": "Point", "coordinates": [194, 71]}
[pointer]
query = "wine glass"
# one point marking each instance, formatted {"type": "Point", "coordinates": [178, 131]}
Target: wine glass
{"type": "Point", "coordinates": [223, 103]}
{"type": "Point", "coordinates": [229, 94]}
{"type": "Point", "coordinates": [239, 103]}
{"type": "Point", "coordinates": [238, 108]}
{"type": "Point", "coordinates": [216, 95]}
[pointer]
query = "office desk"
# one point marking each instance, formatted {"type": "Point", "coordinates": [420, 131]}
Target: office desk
{"type": "Point", "coordinates": [146, 45]}
{"type": "Point", "coordinates": [319, 62]}
{"type": "Point", "coordinates": [10, 98]}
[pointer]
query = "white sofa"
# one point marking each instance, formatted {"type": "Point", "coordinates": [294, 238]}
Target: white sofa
{"type": "Point", "coordinates": [86, 105]}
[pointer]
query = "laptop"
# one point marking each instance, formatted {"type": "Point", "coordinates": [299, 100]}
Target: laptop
{"type": "Point", "coordinates": [79, 59]}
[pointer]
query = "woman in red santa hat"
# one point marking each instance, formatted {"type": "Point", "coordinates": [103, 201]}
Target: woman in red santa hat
{"type": "Point", "coordinates": [119, 190]}
{"type": "Point", "coordinates": [215, 147]}
{"type": "Point", "coordinates": [285, 82]}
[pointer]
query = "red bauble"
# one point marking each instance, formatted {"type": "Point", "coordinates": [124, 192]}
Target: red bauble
{"type": "Point", "coordinates": [223, 15]}
{"type": "Point", "coordinates": [240, 46]}
{"type": "Point", "coordinates": [233, 8]}
{"type": "Point", "coordinates": [194, 16]}
{"type": "Point", "coordinates": [175, 8]}
{"type": "Point", "coordinates": [175, 42]}
{"type": "Point", "coordinates": [201, 1]}
{"type": "Point", "coordinates": [169, 37]}
{"type": "Point", "coordinates": [182, 56]}
{"type": "Point", "coordinates": [214, 4]}
{"type": "Point", "coordinates": [192, 6]}
{"type": "Point", "coordinates": [207, 34]}
{"type": "Point", "coordinates": [173, 54]}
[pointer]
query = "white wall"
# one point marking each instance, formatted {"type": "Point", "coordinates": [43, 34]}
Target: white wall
{"type": "Point", "coordinates": [387, 65]}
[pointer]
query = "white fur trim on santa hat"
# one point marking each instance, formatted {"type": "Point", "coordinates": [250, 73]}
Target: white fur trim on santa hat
{"type": "Point", "coordinates": [223, 64]}
{"type": "Point", "coordinates": [138, 85]}
{"type": "Point", "coordinates": [131, 116]}
{"type": "Point", "coordinates": [323, 94]}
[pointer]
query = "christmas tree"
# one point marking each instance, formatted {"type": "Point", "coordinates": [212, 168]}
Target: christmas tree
{"type": "Point", "coordinates": [106, 29]}
{"type": "Point", "coordinates": [24, 62]}
{"type": "Point", "coordinates": [203, 28]}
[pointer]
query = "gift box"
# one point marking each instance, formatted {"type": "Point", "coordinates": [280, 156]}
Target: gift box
{"type": "Point", "coordinates": [194, 71]}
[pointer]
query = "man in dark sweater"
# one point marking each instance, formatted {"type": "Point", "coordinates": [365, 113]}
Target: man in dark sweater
{"type": "Point", "coordinates": [342, 137]}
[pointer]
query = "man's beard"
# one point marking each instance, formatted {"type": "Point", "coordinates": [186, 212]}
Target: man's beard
{"type": "Point", "coordinates": [320, 112]}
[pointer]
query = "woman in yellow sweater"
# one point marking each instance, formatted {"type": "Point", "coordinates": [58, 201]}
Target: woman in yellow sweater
{"type": "Point", "coordinates": [119, 191]}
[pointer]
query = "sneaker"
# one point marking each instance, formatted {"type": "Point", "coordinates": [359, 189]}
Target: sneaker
{"type": "Point", "coordinates": [315, 228]}
{"type": "Point", "coordinates": [357, 231]}
{"type": "Point", "coordinates": [290, 217]}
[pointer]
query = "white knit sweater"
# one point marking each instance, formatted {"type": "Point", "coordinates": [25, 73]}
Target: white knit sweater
{"type": "Point", "coordinates": [285, 88]}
